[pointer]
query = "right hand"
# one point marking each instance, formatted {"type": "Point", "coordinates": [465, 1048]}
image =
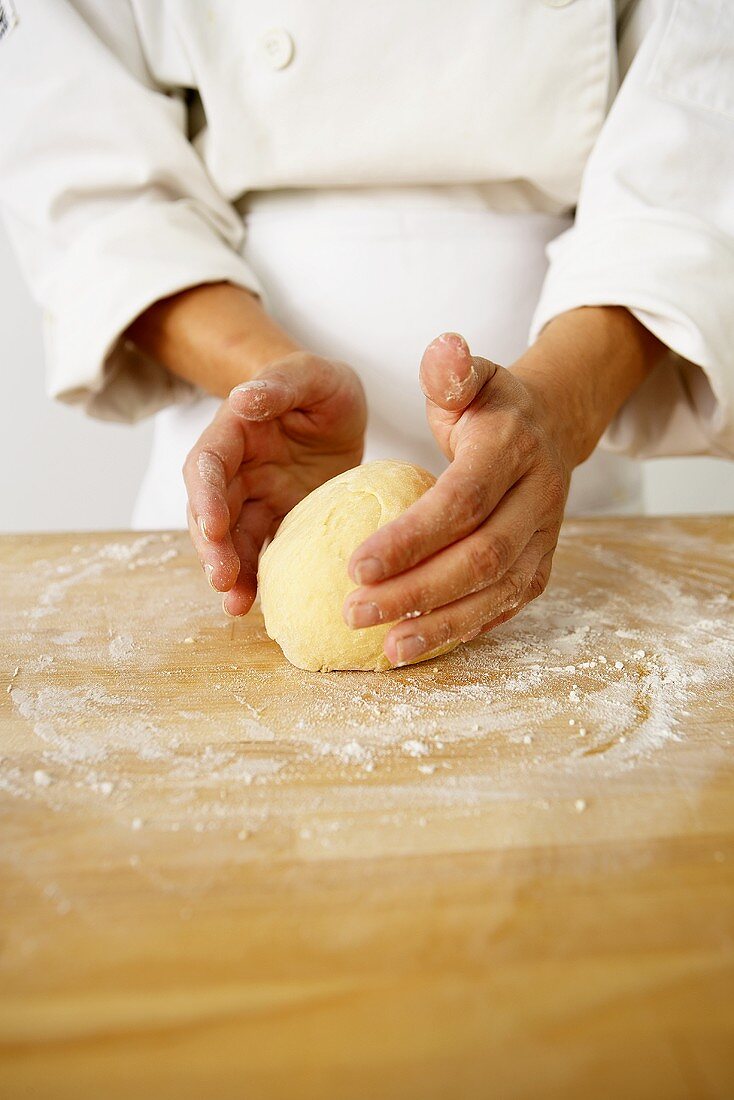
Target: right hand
{"type": "Point", "coordinates": [298, 423]}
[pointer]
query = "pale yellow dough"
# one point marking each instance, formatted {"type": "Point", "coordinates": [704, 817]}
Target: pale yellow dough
{"type": "Point", "coordinates": [303, 577]}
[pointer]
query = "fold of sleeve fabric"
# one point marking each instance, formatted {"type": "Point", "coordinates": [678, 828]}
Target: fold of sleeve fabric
{"type": "Point", "coordinates": [106, 201]}
{"type": "Point", "coordinates": [654, 230]}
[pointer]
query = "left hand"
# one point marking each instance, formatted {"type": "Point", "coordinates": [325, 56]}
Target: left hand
{"type": "Point", "coordinates": [478, 546]}
{"type": "Point", "coordinates": [297, 424]}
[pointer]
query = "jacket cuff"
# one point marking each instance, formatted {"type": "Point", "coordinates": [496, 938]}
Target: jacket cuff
{"type": "Point", "coordinates": [675, 276]}
{"type": "Point", "coordinates": [106, 280]}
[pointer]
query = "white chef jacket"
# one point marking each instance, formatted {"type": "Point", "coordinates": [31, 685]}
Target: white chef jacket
{"type": "Point", "coordinates": [136, 133]}
{"type": "Point", "coordinates": [369, 276]}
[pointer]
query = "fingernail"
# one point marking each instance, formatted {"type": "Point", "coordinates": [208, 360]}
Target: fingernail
{"type": "Point", "coordinates": [363, 614]}
{"type": "Point", "coordinates": [226, 610]}
{"type": "Point", "coordinates": [202, 528]}
{"type": "Point", "coordinates": [453, 340]}
{"type": "Point", "coordinates": [368, 570]}
{"type": "Point", "coordinates": [249, 387]}
{"type": "Point", "coordinates": [260, 394]}
{"type": "Point", "coordinates": [409, 648]}
{"type": "Point", "coordinates": [209, 570]}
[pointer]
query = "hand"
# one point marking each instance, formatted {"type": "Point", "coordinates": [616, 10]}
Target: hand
{"type": "Point", "coordinates": [477, 546]}
{"type": "Point", "coordinates": [300, 422]}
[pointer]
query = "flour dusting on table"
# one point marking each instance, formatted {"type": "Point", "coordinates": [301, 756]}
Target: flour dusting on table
{"type": "Point", "coordinates": [572, 690]}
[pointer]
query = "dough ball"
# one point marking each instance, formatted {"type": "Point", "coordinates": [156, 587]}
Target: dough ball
{"type": "Point", "coordinates": [303, 575]}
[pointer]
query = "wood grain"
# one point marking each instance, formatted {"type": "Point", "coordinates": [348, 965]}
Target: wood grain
{"type": "Point", "coordinates": [224, 877]}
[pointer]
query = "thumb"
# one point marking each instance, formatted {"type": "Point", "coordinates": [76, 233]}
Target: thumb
{"type": "Point", "coordinates": [301, 383]}
{"type": "Point", "coordinates": [264, 398]}
{"type": "Point", "coordinates": [450, 376]}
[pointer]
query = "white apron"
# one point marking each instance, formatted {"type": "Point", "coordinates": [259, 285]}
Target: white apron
{"type": "Point", "coordinates": [371, 277]}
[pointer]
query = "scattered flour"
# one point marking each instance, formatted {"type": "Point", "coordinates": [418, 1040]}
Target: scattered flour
{"type": "Point", "coordinates": [562, 694]}
{"type": "Point", "coordinates": [68, 638]}
{"type": "Point", "coordinates": [413, 747]}
{"type": "Point", "coordinates": [121, 648]}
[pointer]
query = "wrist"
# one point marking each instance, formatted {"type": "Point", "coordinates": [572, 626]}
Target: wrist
{"type": "Point", "coordinates": [584, 366]}
{"type": "Point", "coordinates": [563, 405]}
{"type": "Point", "coordinates": [241, 356]}
{"type": "Point", "coordinates": [215, 336]}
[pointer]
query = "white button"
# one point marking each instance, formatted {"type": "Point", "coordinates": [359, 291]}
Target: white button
{"type": "Point", "coordinates": [277, 48]}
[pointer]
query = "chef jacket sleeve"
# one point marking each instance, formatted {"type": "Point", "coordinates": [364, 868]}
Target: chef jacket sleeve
{"type": "Point", "coordinates": [105, 199]}
{"type": "Point", "coordinates": [654, 230]}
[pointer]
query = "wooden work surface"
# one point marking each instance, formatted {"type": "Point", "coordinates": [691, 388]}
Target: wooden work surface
{"type": "Point", "coordinates": [508, 872]}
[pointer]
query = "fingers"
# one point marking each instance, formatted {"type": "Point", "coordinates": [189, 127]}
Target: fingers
{"type": "Point", "coordinates": [209, 467]}
{"type": "Point", "coordinates": [536, 588]}
{"type": "Point", "coordinates": [262, 399]}
{"type": "Point", "coordinates": [493, 443]}
{"type": "Point", "coordinates": [462, 568]}
{"type": "Point", "coordinates": [253, 526]}
{"type": "Point", "coordinates": [218, 559]}
{"type": "Point", "coordinates": [462, 498]}
{"type": "Point", "coordinates": [496, 443]}
{"type": "Point", "coordinates": [450, 376]}
{"type": "Point", "coordinates": [464, 619]}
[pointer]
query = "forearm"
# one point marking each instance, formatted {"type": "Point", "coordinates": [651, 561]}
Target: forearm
{"type": "Point", "coordinates": [216, 336]}
{"type": "Point", "coordinates": [585, 364]}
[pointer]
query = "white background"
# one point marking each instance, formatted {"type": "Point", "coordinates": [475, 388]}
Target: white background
{"type": "Point", "coordinates": [59, 470]}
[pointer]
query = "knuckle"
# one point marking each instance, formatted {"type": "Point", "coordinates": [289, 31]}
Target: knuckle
{"type": "Point", "coordinates": [498, 555]}
{"type": "Point", "coordinates": [213, 455]}
{"type": "Point", "coordinates": [441, 634]}
{"type": "Point", "coordinates": [417, 598]}
{"type": "Point", "coordinates": [520, 402]}
{"type": "Point", "coordinates": [396, 551]}
{"type": "Point", "coordinates": [514, 585]}
{"type": "Point", "coordinates": [538, 584]}
{"type": "Point", "coordinates": [549, 542]}
{"type": "Point", "coordinates": [479, 565]}
{"type": "Point", "coordinates": [207, 463]}
{"type": "Point", "coordinates": [525, 403]}
{"type": "Point", "coordinates": [471, 502]}
{"type": "Point", "coordinates": [425, 599]}
{"type": "Point", "coordinates": [511, 420]}
{"type": "Point", "coordinates": [486, 370]}
{"type": "Point", "coordinates": [536, 588]}
{"type": "Point", "coordinates": [555, 487]}
{"type": "Point", "coordinates": [526, 441]}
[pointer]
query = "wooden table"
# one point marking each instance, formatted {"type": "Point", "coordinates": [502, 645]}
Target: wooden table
{"type": "Point", "coordinates": [505, 873]}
